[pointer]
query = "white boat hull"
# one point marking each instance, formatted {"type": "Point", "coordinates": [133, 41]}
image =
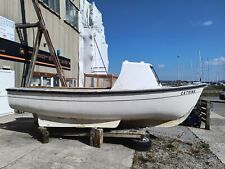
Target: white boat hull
{"type": "Point", "coordinates": [156, 106]}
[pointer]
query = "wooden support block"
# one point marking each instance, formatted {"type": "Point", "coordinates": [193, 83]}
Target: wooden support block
{"type": "Point", "coordinates": [35, 120]}
{"type": "Point", "coordinates": [96, 137]}
{"type": "Point", "coordinates": [43, 134]}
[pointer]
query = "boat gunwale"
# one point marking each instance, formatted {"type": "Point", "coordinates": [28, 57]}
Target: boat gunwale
{"type": "Point", "coordinates": [95, 92]}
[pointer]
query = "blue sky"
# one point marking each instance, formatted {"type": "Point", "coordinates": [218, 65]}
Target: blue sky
{"type": "Point", "coordinates": [156, 31]}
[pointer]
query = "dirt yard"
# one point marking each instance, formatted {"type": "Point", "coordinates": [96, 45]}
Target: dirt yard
{"type": "Point", "coordinates": [170, 153]}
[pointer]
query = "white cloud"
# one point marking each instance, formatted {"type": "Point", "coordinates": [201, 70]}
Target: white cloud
{"type": "Point", "coordinates": [201, 23]}
{"type": "Point", "coordinates": [161, 66]}
{"type": "Point", "coordinates": [207, 23]}
{"type": "Point", "coordinates": [216, 61]}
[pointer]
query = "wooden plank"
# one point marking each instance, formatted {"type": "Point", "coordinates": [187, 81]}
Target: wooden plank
{"type": "Point", "coordinates": [203, 114]}
{"type": "Point", "coordinates": [85, 85]}
{"type": "Point", "coordinates": [126, 133]}
{"type": "Point", "coordinates": [207, 124]}
{"type": "Point", "coordinates": [204, 110]}
{"type": "Point", "coordinates": [217, 101]}
{"type": "Point", "coordinates": [33, 58]}
{"type": "Point", "coordinates": [111, 81]}
{"type": "Point", "coordinates": [45, 74]}
{"type": "Point", "coordinates": [100, 75]}
{"type": "Point", "coordinates": [203, 120]}
{"type": "Point", "coordinates": [203, 101]}
{"type": "Point", "coordinates": [123, 133]}
{"type": "Point", "coordinates": [97, 81]}
{"type": "Point", "coordinates": [203, 104]}
{"type": "Point", "coordinates": [27, 25]}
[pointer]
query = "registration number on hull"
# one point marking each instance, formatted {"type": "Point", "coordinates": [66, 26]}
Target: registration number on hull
{"type": "Point", "coordinates": [187, 92]}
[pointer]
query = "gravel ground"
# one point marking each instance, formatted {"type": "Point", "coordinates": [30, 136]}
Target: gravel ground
{"type": "Point", "coordinates": [169, 153]}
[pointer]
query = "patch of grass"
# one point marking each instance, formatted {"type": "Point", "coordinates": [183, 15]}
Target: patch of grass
{"type": "Point", "coordinates": [139, 162]}
{"type": "Point", "coordinates": [144, 159]}
{"type": "Point", "coordinates": [195, 150]}
{"type": "Point", "coordinates": [205, 146]}
{"type": "Point", "coordinates": [170, 146]}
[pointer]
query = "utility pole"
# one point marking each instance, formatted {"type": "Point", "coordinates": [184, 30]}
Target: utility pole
{"type": "Point", "coordinates": [208, 69]}
{"type": "Point", "coordinates": [178, 69]}
{"type": "Point", "coordinates": [224, 75]}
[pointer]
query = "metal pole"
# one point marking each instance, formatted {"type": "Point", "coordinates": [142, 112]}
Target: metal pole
{"type": "Point", "coordinates": [224, 75]}
{"type": "Point", "coordinates": [100, 56]}
{"type": "Point", "coordinates": [200, 65]}
{"type": "Point", "coordinates": [178, 69]}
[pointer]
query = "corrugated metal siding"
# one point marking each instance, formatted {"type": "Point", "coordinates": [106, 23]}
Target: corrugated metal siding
{"type": "Point", "coordinates": [63, 36]}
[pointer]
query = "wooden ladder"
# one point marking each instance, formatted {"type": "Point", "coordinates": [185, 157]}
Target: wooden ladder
{"type": "Point", "coordinates": [42, 30]}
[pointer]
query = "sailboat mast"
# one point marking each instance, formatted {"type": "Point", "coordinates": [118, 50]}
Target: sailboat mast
{"type": "Point", "coordinates": [200, 66]}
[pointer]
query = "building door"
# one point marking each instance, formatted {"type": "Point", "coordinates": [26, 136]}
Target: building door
{"type": "Point", "coordinates": [7, 80]}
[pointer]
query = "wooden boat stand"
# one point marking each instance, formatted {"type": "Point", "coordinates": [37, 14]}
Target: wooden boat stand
{"type": "Point", "coordinates": [206, 106]}
{"type": "Point", "coordinates": [95, 135]}
{"type": "Point", "coordinates": [205, 110]}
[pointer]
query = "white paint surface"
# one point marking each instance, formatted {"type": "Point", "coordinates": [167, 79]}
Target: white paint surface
{"type": "Point", "coordinates": [136, 76]}
{"type": "Point", "coordinates": [7, 80]}
{"type": "Point", "coordinates": [93, 52]}
{"type": "Point", "coordinates": [7, 29]}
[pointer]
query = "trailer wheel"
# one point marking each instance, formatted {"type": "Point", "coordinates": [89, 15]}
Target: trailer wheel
{"type": "Point", "coordinates": [142, 144]}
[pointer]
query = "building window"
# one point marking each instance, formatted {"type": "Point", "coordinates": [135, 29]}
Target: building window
{"type": "Point", "coordinates": [71, 14]}
{"type": "Point", "coordinates": [53, 4]}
